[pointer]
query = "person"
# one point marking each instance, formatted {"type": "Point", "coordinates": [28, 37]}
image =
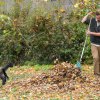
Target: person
{"type": "Point", "coordinates": [94, 33]}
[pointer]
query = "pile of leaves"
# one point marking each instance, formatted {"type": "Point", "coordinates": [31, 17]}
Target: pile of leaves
{"type": "Point", "coordinates": [62, 75]}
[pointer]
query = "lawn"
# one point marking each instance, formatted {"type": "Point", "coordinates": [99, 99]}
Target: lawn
{"type": "Point", "coordinates": [20, 86]}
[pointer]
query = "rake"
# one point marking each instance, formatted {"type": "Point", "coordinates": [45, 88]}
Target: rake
{"type": "Point", "coordinates": [78, 64]}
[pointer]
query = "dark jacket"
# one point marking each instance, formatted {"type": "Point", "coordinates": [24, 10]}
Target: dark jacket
{"type": "Point", "coordinates": [94, 28]}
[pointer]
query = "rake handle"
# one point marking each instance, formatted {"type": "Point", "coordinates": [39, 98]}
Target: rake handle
{"type": "Point", "coordinates": [85, 43]}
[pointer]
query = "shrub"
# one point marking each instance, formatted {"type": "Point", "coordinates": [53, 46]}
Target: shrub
{"type": "Point", "coordinates": [41, 35]}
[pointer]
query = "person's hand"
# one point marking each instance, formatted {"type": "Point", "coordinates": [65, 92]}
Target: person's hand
{"type": "Point", "coordinates": [90, 13]}
{"type": "Point", "coordinates": [88, 32]}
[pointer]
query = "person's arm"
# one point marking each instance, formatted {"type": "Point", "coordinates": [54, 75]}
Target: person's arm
{"type": "Point", "coordinates": [93, 33]}
{"type": "Point", "coordinates": [86, 18]}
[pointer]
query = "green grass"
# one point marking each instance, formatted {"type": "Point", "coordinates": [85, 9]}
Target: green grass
{"type": "Point", "coordinates": [38, 67]}
{"type": "Point", "coordinates": [55, 99]}
{"type": "Point", "coordinates": [42, 67]}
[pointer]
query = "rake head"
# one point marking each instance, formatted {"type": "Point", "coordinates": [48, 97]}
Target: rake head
{"type": "Point", "coordinates": [78, 65]}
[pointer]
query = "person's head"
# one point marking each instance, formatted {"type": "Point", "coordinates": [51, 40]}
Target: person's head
{"type": "Point", "coordinates": [98, 15]}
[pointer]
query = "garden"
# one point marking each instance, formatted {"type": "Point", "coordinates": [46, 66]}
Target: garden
{"type": "Point", "coordinates": [44, 40]}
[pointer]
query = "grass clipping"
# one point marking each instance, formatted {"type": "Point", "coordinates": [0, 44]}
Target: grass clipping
{"type": "Point", "coordinates": [62, 75]}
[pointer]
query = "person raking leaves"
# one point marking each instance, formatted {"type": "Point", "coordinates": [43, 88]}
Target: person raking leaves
{"type": "Point", "coordinates": [94, 33]}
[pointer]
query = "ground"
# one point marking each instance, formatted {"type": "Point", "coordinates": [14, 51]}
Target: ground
{"type": "Point", "coordinates": [20, 86]}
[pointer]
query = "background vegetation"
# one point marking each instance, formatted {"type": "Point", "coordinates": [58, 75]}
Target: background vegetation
{"type": "Point", "coordinates": [43, 32]}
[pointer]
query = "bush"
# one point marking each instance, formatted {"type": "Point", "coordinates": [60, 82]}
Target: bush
{"type": "Point", "coordinates": [40, 36]}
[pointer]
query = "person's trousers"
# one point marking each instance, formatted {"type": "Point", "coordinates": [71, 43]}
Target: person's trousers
{"type": "Point", "coordinates": [96, 58]}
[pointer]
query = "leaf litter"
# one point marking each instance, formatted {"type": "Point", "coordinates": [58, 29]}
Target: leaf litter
{"type": "Point", "coordinates": [64, 78]}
